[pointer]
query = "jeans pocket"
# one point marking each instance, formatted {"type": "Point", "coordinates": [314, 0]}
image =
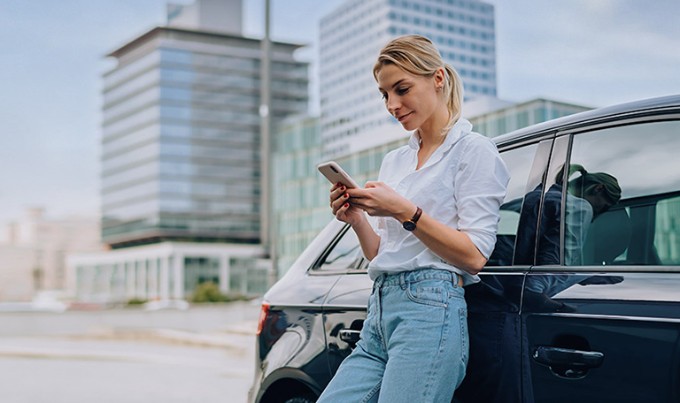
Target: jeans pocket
{"type": "Point", "coordinates": [428, 292]}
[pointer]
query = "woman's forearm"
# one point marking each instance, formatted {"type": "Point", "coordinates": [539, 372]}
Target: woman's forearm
{"type": "Point", "coordinates": [454, 246]}
{"type": "Point", "coordinates": [369, 240]}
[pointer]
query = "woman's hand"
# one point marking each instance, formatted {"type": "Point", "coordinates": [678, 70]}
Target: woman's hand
{"type": "Point", "coordinates": [342, 208]}
{"type": "Point", "coordinates": [378, 199]}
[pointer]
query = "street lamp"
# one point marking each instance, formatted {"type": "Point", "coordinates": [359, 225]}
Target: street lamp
{"type": "Point", "coordinates": [267, 218]}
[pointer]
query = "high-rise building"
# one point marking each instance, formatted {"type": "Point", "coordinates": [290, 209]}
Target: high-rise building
{"type": "Point", "coordinates": [350, 40]}
{"type": "Point", "coordinates": [513, 116]}
{"type": "Point", "coordinates": [181, 126]}
{"type": "Point", "coordinates": [181, 157]}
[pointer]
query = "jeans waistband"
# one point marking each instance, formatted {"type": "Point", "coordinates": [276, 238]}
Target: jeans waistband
{"type": "Point", "coordinates": [413, 276]}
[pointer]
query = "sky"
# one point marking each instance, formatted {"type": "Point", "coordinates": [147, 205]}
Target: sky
{"type": "Point", "coordinates": [589, 52]}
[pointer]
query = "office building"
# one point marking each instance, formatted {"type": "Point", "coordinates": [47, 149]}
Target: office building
{"type": "Point", "coordinates": [513, 116]}
{"type": "Point", "coordinates": [352, 111]}
{"type": "Point", "coordinates": [180, 147]}
{"type": "Point", "coordinates": [181, 155]}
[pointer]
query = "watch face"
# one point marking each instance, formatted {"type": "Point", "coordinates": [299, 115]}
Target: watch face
{"type": "Point", "coordinates": [409, 225]}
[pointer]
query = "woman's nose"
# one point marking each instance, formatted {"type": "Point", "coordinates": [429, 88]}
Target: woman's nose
{"type": "Point", "coordinates": [392, 106]}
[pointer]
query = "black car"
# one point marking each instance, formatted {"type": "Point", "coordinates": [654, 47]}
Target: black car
{"type": "Point", "coordinates": [576, 304]}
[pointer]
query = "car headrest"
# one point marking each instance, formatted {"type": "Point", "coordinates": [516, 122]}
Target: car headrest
{"type": "Point", "coordinates": [608, 237]}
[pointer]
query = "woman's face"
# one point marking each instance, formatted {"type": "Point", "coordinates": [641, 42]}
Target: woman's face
{"type": "Point", "coordinates": [411, 99]}
{"type": "Point", "coordinates": [598, 199]}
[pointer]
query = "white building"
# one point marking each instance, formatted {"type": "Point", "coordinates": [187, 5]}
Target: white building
{"type": "Point", "coordinates": [350, 40]}
{"type": "Point", "coordinates": [33, 252]}
{"type": "Point", "coordinates": [167, 270]}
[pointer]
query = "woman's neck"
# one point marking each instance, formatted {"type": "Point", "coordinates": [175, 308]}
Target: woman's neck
{"type": "Point", "coordinates": [431, 132]}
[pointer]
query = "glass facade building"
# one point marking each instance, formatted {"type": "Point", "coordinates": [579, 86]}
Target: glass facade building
{"type": "Point", "coordinates": [517, 116]}
{"type": "Point", "coordinates": [351, 37]}
{"type": "Point", "coordinates": [299, 193]}
{"type": "Point", "coordinates": [181, 127]}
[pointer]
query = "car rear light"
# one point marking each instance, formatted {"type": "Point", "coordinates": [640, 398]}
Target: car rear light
{"type": "Point", "coordinates": [264, 312]}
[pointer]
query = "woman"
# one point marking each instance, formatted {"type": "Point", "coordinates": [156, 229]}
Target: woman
{"type": "Point", "coordinates": [437, 206]}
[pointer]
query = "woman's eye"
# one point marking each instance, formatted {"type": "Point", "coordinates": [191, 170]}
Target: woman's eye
{"type": "Point", "coordinates": [383, 96]}
{"type": "Point", "coordinates": [402, 91]}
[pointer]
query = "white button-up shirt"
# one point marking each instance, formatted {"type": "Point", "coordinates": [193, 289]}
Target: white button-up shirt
{"type": "Point", "coordinates": [462, 185]}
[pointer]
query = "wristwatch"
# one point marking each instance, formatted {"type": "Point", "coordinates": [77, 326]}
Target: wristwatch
{"type": "Point", "coordinates": [410, 225]}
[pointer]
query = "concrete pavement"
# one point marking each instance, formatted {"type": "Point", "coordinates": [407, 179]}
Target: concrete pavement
{"type": "Point", "coordinates": [204, 353]}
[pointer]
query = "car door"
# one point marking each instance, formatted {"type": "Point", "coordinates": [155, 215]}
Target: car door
{"type": "Point", "coordinates": [344, 308]}
{"type": "Point", "coordinates": [494, 364]}
{"type": "Point", "coordinates": [601, 308]}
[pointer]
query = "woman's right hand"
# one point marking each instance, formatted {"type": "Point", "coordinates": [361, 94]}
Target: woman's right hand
{"type": "Point", "coordinates": [342, 207]}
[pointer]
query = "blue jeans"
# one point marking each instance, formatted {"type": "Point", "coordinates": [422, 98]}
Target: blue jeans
{"type": "Point", "coordinates": [414, 343]}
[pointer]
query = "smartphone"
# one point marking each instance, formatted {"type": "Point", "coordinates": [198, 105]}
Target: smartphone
{"type": "Point", "coordinates": [335, 174]}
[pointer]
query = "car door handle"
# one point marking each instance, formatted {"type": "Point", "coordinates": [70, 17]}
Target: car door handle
{"type": "Point", "coordinates": [350, 336]}
{"type": "Point", "coordinates": [566, 362]}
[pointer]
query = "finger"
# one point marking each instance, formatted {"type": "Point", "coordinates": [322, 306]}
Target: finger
{"type": "Point", "coordinates": [342, 209]}
{"type": "Point", "coordinates": [337, 186]}
{"type": "Point", "coordinates": [341, 212]}
{"type": "Point", "coordinates": [337, 191]}
{"type": "Point", "coordinates": [339, 201]}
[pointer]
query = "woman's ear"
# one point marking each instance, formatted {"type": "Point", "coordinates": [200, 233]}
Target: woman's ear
{"type": "Point", "coordinates": [439, 78]}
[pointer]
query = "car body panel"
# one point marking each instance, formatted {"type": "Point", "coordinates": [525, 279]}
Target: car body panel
{"type": "Point", "coordinates": [345, 311]}
{"type": "Point", "coordinates": [632, 318]}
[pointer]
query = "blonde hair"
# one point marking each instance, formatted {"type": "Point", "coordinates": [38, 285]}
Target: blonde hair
{"type": "Point", "coordinates": [417, 55]}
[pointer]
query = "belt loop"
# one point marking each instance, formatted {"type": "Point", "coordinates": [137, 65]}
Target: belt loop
{"type": "Point", "coordinates": [457, 280]}
{"type": "Point", "coordinates": [402, 280]}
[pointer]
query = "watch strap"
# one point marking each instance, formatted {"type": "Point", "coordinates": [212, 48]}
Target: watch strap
{"type": "Point", "coordinates": [417, 215]}
{"type": "Point", "coordinates": [410, 225]}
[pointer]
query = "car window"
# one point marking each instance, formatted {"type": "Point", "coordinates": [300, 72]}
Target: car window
{"type": "Point", "coordinates": [519, 162]}
{"type": "Point", "coordinates": [343, 254]}
{"type": "Point", "coordinates": [622, 201]}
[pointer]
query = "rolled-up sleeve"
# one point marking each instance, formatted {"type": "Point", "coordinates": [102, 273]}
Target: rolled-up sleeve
{"type": "Point", "coordinates": [479, 188]}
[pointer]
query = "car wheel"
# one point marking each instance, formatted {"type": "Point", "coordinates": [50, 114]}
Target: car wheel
{"type": "Point", "coordinates": [300, 399]}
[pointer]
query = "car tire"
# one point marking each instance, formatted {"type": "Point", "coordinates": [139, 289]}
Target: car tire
{"type": "Point", "coordinates": [300, 399]}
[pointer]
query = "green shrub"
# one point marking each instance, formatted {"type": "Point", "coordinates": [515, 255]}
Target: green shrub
{"type": "Point", "coordinates": [136, 301]}
{"type": "Point", "coordinates": [210, 292]}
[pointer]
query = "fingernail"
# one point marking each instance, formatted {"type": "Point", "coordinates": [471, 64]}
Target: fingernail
{"type": "Point", "coordinates": [346, 205]}
{"type": "Point", "coordinates": [346, 195]}
{"type": "Point", "coordinates": [342, 188]}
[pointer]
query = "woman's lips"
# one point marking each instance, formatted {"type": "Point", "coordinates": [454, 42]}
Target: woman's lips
{"type": "Point", "coordinates": [402, 117]}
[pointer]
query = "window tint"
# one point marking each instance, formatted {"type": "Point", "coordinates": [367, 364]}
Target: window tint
{"type": "Point", "coordinates": [623, 196]}
{"type": "Point", "coordinates": [345, 254]}
{"type": "Point", "coordinates": [519, 162]}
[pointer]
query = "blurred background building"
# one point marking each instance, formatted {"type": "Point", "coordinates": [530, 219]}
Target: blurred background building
{"type": "Point", "coordinates": [181, 157]}
{"type": "Point", "coordinates": [33, 252]}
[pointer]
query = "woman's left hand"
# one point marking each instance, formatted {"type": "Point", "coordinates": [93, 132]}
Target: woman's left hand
{"type": "Point", "coordinates": [378, 199]}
